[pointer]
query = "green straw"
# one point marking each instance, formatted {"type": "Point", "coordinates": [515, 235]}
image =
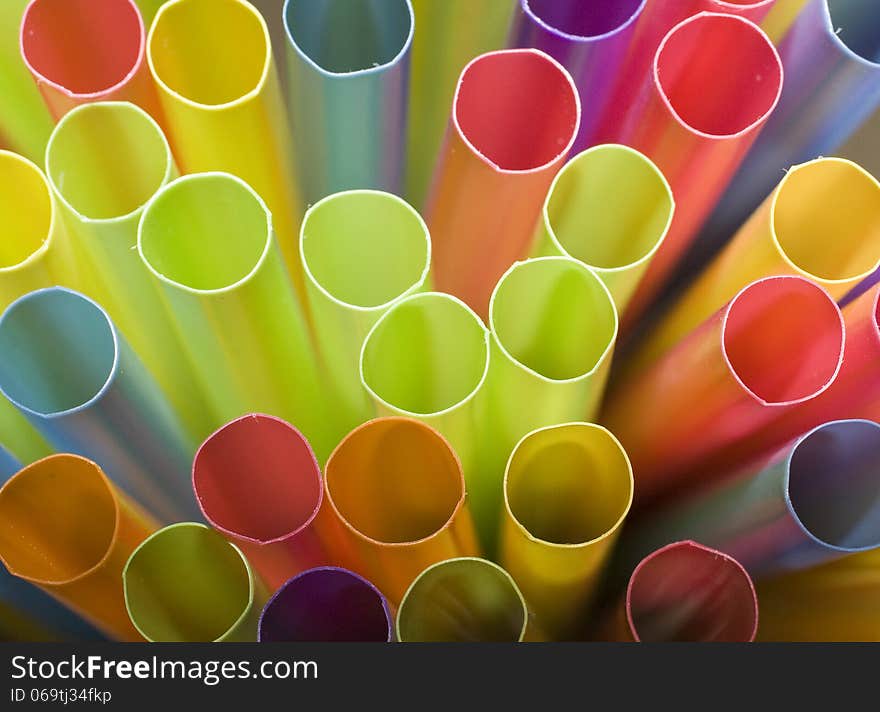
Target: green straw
{"type": "Point", "coordinates": [148, 9]}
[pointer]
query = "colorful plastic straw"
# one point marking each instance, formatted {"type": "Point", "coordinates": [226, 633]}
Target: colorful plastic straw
{"type": "Point", "coordinates": [822, 222]}
{"type": "Point", "coordinates": [221, 84]}
{"type": "Point", "coordinates": [567, 490]}
{"type": "Point", "coordinates": [187, 584]}
{"type": "Point", "coordinates": [514, 118]}
{"type": "Point", "coordinates": [104, 162]}
{"type": "Point", "coordinates": [326, 604]}
{"type": "Point", "coordinates": [64, 365]}
{"type": "Point", "coordinates": [208, 238]}
{"type": "Point", "coordinates": [348, 71]}
{"type": "Point", "coordinates": [609, 207]}
{"type": "Point", "coordinates": [450, 34]}
{"type": "Point", "coordinates": [9, 465]}
{"type": "Point", "coordinates": [815, 500]}
{"type": "Point", "coordinates": [590, 39]}
{"type": "Point", "coordinates": [66, 528]}
{"type": "Point", "coordinates": [396, 498]}
{"type": "Point", "coordinates": [686, 592]}
{"type": "Point", "coordinates": [258, 483]}
{"type": "Point", "coordinates": [781, 17]}
{"type": "Point", "coordinates": [463, 600]}
{"type": "Point", "coordinates": [148, 9]}
{"type": "Point", "coordinates": [80, 51]}
{"type": "Point", "coordinates": [690, 417]}
{"type": "Point", "coordinates": [361, 251]}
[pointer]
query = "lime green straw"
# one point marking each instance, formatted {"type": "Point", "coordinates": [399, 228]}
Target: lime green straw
{"type": "Point", "coordinates": [148, 9]}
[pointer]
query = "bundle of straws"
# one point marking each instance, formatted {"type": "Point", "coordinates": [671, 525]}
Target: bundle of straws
{"type": "Point", "coordinates": [506, 320]}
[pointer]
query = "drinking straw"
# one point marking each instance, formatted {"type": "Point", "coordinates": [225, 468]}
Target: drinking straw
{"type": "Point", "coordinates": [64, 365]}
{"type": "Point", "coordinates": [326, 604]}
{"type": "Point", "coordinates": [609, 207]}
{"type": "Point", "coordinates": [686, 592]}
{"type": "Point", "coordinates": [187, 584]}
{"type": "Point", "coordinates": [514, 118]}
{"type": "Point", "coordinates": [148, 9]}
{"type": "Point", "coordinates": [821, 222]}
{"type": "Point", "coordinates": [590, 39]}
{"type": "Point", "coordinates": [104, 161]}
{"type": "Point", "coordinates": [65, 527]}
{"type": "Point", "coordinates": [80, 51]}
{"type": "Point", "coordinates": [361, 251]}
{"type": "Point", "coordinates": [463, 600]}
{"type": "Point", "coordinates": [223, 83]}
{"type": "Point", "coordinates": [208, 238]}
{"type": "Point", "coordinates": [396, 499]}
{"type": "Point", "coordinates": [258, 483]}
{"type": "Point", "coordinates": [695, 128]}
{"type": "Point", "coordinates": [691, 415]}
{"type": "Point", "coordinates": [25, 122]}
{"type": "Point", "coordinates": [348, 74]}
{"type": "Point", "coordinates": [567, 490]}
{"type": "Point", "coordinates": [835, 602]}
{"type": "Point", "coordinates": [450, 34]}
{"type": "Point", "coordinates": [9, 465]}
{"type": "Point", "coordinates": [781, 17]}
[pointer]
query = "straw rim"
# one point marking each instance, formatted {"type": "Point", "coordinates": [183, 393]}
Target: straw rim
{"type": "Point", "coordinates": [459, 505]}
{"type": "Point", "coordinates": [237, 535]}
{"type": "Point", "coordinates": [653, 167]}
{"type": "Point", "coordinates": [612, 530]}
{"type": "Point", "coordinates": [832, 35]}
{"type": "Point", "coordinates": [124, 106]}
{"type": "Point", "coordinates": [748, 391]}
{"type": "Point", "coordinates": [117, 523]}
{"type": "Point", "coordinates": [114, 367]}
{"type": "Point", "coordinates": [47, 241]}
{"type": "Point", "coordinates": [585, 39]}
{"type": "Point", "coordinates": [87, 96]}
{"type": "Point", "coordinates": [606, 352]}
{"type": "Point", "coordinates": [658, 85]}
{"type": "Point", "coordinates": [774, 200]}
{"type": "Point", "coordinates": [560, 154]}
{"type": "Point", "coordinates": [367, 71]}
{"type": "Point", "coordinates": [408, 300]}
{"type": "Point", "coordinates": [386, 608]}
{"type": "Point", "coordinates": [731, 7]}
{"type": "Point", "coordinates": [248, 96]}
{"type": "Point", "coordinates": [252, 584]}
{"type": "Point", "coordinates": [197, 177]}
{"type": "Point", "coordinates": [414, 287]}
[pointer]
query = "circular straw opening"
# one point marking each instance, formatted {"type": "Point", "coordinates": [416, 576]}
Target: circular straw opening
{"type": "Point", "coordinates": [205, 232]}
{"type": "Point", "coordinates": [518, 109]}
{"type": "Point", "coordinates": [106, 160]}
{"type": "Point", "coordinates": [854, 29]}
{"type": "Point", "coordinates": [186, 583]}
{"type": "Point", "coordinates": [427, 354]}
{"type": "Point", "coordinates": [554, 316]}
{"type": "Point", "coordinates": [58, 520]}
{"type": "Point", "coordinates": [587, 20]}
{"type": "Point", "coordinates": [823, 212]}
{"type": "Point", "coordinates": [25, 210]}
{"type": "Point", "coordinates": [833, 484]}
{"type": "Point", "coordinates": [569, 484]}
{"type": "Point", "coordinates": [82, 47]}
{"type": "Point", "coordinates": [770, 322]}
{"type": "Point", "coordinates": [215, 67]}
{"type": "Point", "coordinates": [257, 478]}
{"type": "Point", "coordinates": [349, 36]}
{"type": "Point", "coordinates": [365, 248]}
{"type": "Point", "coordinates": [57, 352]}
{"type": "Point", "coordinates": [691, 61]}
{"type": "Point", "coordinates": [326, 605]}
{"type": "Point", "coordinates": [395, 481]}
{"type": "Point", "coordinates": [688, 593]}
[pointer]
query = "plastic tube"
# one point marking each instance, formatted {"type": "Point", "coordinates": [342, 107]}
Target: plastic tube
{"type": "Point", "coordinates": [781, 17]}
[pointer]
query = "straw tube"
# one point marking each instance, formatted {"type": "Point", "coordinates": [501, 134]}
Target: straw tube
{"type": "Point", "coordinates": [514, 118]}
{"type": "Point", "coordinates": [326, 604]}
{"type": "Point", "coordinates": [64, 365]}
{"type": "Point", "coordinates": [361, 251]}
{"type": "Point", "coordinates": [348, 70]}
{"type": "Point", "coordinates": [66, 528]}
{"type": "Point", "coordinates": [187, 584]}
{"type": "Point", "coordinates": [781, 17]}
{"type": "Point", "coordinates": [9, 465]}
{"type": "Point", "coordinates": [567, 490]}
{"type": "Point", "coordinates": [396, 497]}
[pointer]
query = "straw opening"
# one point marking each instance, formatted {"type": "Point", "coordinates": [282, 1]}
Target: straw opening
{"type": "Point", "coordinates": [860, 34]}
{"type": "Point", "coordinates": [25, 210]}
{"type": "Point", "coordinates": [586, 20]}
